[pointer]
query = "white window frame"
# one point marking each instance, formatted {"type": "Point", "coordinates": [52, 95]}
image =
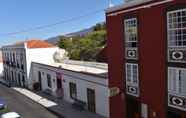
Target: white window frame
{"type": "Point", "coordinates": [175, 83]}
{"type": "Point", "coordinates": [132, 74]}
{"type": "Point", "coordinates": [172, 37]}
{"type": "Point", "coordinates": [132, 85]}
{"type": "Point", "coordinates": [127, 39]}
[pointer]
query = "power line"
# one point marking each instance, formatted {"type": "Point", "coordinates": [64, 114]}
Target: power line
{"type": "Point", "coordinates": [52, 24]}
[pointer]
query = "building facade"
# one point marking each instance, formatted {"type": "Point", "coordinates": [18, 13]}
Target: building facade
{"type": "Point", "coordinates": [17, 59]}
{"type": "Point", "coordinates": [73, 84]}
{"type": "Point", "coordinates": [149, 67]}
{"type": "Point", "coordinates": [1, 65]}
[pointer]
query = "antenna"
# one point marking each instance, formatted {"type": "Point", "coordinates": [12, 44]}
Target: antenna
{"type": "Point", "coordinates": [110, 3]}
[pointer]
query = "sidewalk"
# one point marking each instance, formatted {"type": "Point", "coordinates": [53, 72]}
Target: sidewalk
{"type": "Point", "coordinates": [2, 81]}
{"type": "Point", "coordinates": [42, 101]}
{"type": "Point", "coordinates": [57, 106]}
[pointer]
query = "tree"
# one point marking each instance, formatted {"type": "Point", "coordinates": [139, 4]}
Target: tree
{"type": "Point", "coordinates": [87, 47]}
{"type": "Point", "coordinates": [100, 26]}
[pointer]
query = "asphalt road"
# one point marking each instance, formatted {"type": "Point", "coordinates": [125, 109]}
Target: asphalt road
{"type": "Point", "coordinates": [23, 105]}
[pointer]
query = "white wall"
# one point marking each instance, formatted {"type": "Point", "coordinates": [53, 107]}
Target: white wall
{"type": "Point", "coordinates": [17, 50]}
{"type": "Point", "coordinates": [1, 69]}
{"type": "Point", "coordinates": [42, 55]}
{"type": "Point", "coordinates": [83, 81]}
{"type": "Point", "coordinates": [101, 90]}
{"type": "Point", "coordinates": [29, 55]}
{"type": "Point", "coordinates": [44, 71]}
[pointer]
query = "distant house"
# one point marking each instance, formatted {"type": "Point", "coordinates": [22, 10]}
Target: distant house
{"type": "Point", "coordinates": [147, 58]}
{"type": "Point", "coordinates": [75, 82]}
{"type": "Point", "coordinates": [17, 59]}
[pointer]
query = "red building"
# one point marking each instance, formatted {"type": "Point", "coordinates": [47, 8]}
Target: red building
{"type": "Point", "coordinates": [147, 58]}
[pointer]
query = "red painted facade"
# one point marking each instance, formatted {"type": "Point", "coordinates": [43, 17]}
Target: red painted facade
{"type": "Point", "coordinates": [152, 38]}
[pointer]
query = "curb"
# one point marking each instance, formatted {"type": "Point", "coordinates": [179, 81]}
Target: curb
{"type": "Point", "coordinates": [48, 109]}
{"type": "Point", "coordinates": [56, 113]}
{"type": "Point", "coordinates": [5, 84]}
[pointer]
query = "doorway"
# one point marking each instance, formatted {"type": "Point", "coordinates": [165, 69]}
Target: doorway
{"type": "Point", "coordinates": [59, 84]}
{"type": "Point", "coordinates": [91, 100]}
{"type": "Point", "coordinates": [174, 115]}
{"type": "Point", "coordinates": [23, 80]}
{"type": "Point", "coordinates": [59, 81]}
{"type": "Point", "coordinates": [133, 108]}
{"type": "Point", "coordinates": [40, 81]}
{"type": "Point", "coordinates": [19, 79]}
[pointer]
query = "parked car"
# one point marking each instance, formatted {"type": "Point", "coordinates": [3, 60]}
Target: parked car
{"type": "Point", "coordinates": [3, 104]}
{"type": "Point", "coordinates": [11, 115]}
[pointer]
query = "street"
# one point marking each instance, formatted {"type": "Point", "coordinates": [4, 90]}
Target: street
{"type": "Point", "coordinates": [23, 105]}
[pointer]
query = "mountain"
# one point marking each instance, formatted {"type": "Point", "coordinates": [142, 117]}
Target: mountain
{"type": "Point", "coordinates": [79, 33]}
{"type": "Point", "coordinates": [54, 40]}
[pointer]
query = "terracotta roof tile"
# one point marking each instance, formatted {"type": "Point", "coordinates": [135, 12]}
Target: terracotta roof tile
{"type": "Point", "coordinates": [38, 44]}
{"type": "Point", "coordinates": [35, 43]}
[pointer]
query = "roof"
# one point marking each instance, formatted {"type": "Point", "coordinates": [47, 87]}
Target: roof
{"type": "Point", "coordinates": [91, 68]}
{"type": "Point", "coordinates": [129, 4]}
{"type": "Point", "coordinates": [35, 43]}
{"type": "Point", "coordinates": [38, 44]}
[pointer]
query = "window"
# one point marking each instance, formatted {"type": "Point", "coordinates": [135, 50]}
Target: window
{"type": "Point", "coordinates": [132, 73]}
{"type": "Point", "coordinates": [176, 26]}
{"type": "Point", "coordinates": [18, 64]}
{"type": "Point", "coordinates": [22, 66]}
{"type": "Point", "coordinates": [39, 75]}
{"type": "Point", "coordinates": [73, 90]}
{"type": "Point", "coordinates": [131, 32]}
{"type": "Point", "coordinates": [49, 80]}
{"type": "Point", "coordinates": [13, 57]}
{"type": "Point", "coordinates": [21, 57]}
{"type": "Point", "coordinates": [176, 79]}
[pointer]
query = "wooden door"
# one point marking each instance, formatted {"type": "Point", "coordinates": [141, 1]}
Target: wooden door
{"type": "Point", "coordinates": [91, 100]}
{"type": "Point", "coordinates": [40, 81]}
{"type": "Point", "coordinates": [183, 115]}
{"type": "Point", "coordinates": [59, 81]}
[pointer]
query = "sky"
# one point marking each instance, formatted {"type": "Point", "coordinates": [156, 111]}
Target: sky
{"type": "Point", "coordinates": [17, 15]}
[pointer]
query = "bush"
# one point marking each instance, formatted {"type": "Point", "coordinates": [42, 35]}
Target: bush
{"type": "Point", "coordinates": [84, 48]}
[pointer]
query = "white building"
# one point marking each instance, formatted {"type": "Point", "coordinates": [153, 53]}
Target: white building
{"type": "Point", "coordinates": [75, 82]}
{"type": "Point", "coordinates": [18, 57]}
{"type": "Point", "coordinates": [1, 64]}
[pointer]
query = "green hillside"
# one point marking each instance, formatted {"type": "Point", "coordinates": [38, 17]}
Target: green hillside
{"type": "Point", "coordinates": [85, 47]}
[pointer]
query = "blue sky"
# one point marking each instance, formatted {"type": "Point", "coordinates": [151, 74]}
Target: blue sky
{"type": "Point", "coordinates": [16, 15]}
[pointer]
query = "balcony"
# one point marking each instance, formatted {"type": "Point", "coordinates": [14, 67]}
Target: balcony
{"type": "Point", "coordinates": [132, 80]}
{"type": "Point", "coordinates": [177, 88]}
